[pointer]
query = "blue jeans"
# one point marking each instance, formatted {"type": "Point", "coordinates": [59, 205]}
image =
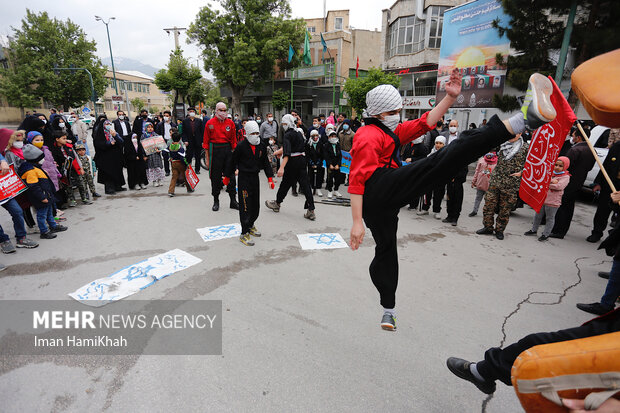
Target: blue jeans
{"type": "Point", "coordinates": [18, 220]}
{"type": "Point", "coordinates": [44, 217]}
{"type": "Point", "coordinates": [613, 286]}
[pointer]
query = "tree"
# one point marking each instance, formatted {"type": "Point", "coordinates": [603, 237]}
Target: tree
{"type": "Point", "coordinates": [178, 78]}
{"type": "Point", "coordinates": [213, 94]}
{"type": "Point", "coordinates": [154, 109]}
{"type": "Point", "coordinates": [280, 99]}
{"type": "Point", "coordinates": [596, 29]}
{"type": "Point", "coordinates": [35, 48]}
{"type": "Point", "coordinates": [137, 103]}
{"type": "Point", "coordinates": [356, 88]}
{"type": "Point", "coordinates": [242, 44]}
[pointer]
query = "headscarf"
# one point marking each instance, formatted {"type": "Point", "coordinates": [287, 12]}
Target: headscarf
{"type": "Point", "coordinates": [31, 135]}
{"type": "Point", "coordinates": [289, 120]}
{"type": "Point", "coordinates": [510, 149]}
{"type": "Point", "coordinates": [490, 158]}
{"type": "Point", "coordinates": [566, 161]}
{"type": "Point", "coordinates": [383, 98]}
{"type": "Point", "coordinates": [146, 134]}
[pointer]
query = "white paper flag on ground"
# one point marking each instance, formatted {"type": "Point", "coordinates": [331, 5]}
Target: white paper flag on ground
{"type": "Point", "coordinates": [321, 241]}
{"type": "Point", "coordinates": [219, 232]}
{"type": "Point", "coordinates": [134, 278]}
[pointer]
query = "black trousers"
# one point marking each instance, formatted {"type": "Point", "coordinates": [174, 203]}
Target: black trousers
{"type": "Point", "coordinates": [315, 176]}
{"type": "Point", "coordinates": [249, 200]}
{"type": "Point", "coordinates": [455, 199]}
{"type": "Point", "coordinates": [334, 179]}
{"type": "Point", "coordinates": [388, 190]}
{"type": "Point", "coordinates": [435, 196]}
{"type": "Point", "coordinates": [564, 216]}
{"type": "Point", "coordinates": [498, 362]}
{"type": "Point", "coordinates": [220, 156]}
{"type": "Point", "coordinates": [193, 152]}
{"type": "Point", "coordinates": [295, 172]}
{"type": "Point", "coordinates": [166, 156]}
{"type": "Point", "coordinates": [601, 216]}
{"type": "Point", "coordinates": [136, 173]}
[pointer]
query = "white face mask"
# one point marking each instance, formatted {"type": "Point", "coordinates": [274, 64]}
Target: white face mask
{"type": "Point", "coordinates": [391, 121]}
{"type": "Point", "coordinates": [166, 118]}
{"type": "Point", "coordinates": [18, 144]}
{"type": "Point", "coordinates": [453, 129]}
{"type": "Point", "coordinates": [285, 126]}
{"type": "Point", "coordinates": [270, 119]}
{"type": "Point", "coordinates": [572, 140]}
{"type": "Point", "coordinates": [271, 142]}
{"type": "Point", "coordinates": [253, 139]}
{"type": "Point", "coordinates": [44, 121]}
{"type": "Point", "coordinates": [121, 117]}
{"type": "Point", "coordinates": [61, 125]}
{"type": "Point", "coordinates": [192, 114]}
{"type": "Point", "coordinates": [333, 140]}
{"type": "Point", "coordinates": [316, 125]}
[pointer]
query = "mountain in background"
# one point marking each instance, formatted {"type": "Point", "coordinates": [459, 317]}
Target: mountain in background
{"type": "Point", "coordinates": [124, 63]}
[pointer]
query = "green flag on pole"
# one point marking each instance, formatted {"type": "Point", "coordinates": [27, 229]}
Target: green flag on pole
{"type": "Point", "coordinates": [307, 58]}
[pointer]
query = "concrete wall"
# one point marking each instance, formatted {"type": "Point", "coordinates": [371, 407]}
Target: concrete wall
{"type": "Point", "coordinates": [366, 45]}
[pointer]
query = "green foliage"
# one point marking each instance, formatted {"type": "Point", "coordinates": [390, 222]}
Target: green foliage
{"type": "Point", "coordinates": [154, 109]}
{"type": "Point", "coordinates": [356, 88]}
{"type": "Point", "coordinates": [35, 48]}
{"type": "Point", "coordinates": [280, 99]}
{"type": "Point", "coordinates": [242, 44]}
{"type": "Point", "coordinates": [534, 30]}
{"type": "Point", "coordinates": [137, 103]}
{"type": "Point", "coordinates": [212, 95]}
{"type": "Point", "coordinates": [179, 77]}
{"type": "Point", "coordinates": [506, 103]}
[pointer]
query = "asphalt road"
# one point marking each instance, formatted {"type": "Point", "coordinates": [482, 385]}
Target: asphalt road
{"type": "Point", "coordinates": [301, 328]}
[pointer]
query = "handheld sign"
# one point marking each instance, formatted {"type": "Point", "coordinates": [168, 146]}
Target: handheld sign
{"type": "Point", "coordinates": [191, 177]}
{"type": "Point", "coordinates": [10, 186]}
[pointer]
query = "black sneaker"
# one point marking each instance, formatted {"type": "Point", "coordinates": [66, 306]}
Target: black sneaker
{"type": "Point", "coordinates": [59, 228]}
{"type": "Point", "coordinates": [558, 236]}
{"type": "Point", "coordinates": [294, 193]}
{"type": "Point", "coordinates": [472, 214]}
{"type": "Point", "coordinates": [98, 195]}
{"type": "Point", "coordinates": [388, 322]}
{"type": "Point", "coordinates": [485, 231]}
{"type": "Point", "coordinates": [48, 235]}
{"type": "Point", "coordinates": [543, 238]}
{"type": "Point", "coordinates": [447, 220]}
{"type": "Point", "coordinates": [603, 274]}
{"type": "Point", "coordinates": [594, 308]}
{"type": "Point", "coordinates": [499, 235]}
{"type": "Point", "coordinates": [530, 232]}
{"type": "Point", "coordinates": [216, 205]}
{"type": "Point", "coordinates": [460, 368]}
{"type": "Point", "coordinates": [234, 204]}
{"type": "Point", "coordinates": [594, 238]}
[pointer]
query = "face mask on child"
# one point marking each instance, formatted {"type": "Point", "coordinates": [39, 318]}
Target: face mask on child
{"type": "Point", "coordinates": [272, 142]}
{"type": "Point", "coordinates": [18, 144]}
{"type": "Point", "coordinates": [333, 141]}
{"type": "Point", "coordinates": [345, 127]}
{"type": "Point", "coordinates": [61, 125]}
{"type": "Point", "coordinates": [38, 144]}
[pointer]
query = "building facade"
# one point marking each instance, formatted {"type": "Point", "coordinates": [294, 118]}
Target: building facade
{"type": "Point", "coordinates": [131, 85]}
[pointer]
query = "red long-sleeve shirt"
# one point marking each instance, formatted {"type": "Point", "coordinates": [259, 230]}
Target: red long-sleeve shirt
{"type": "Point", "coordinates": [217, 131]}
{"type": "Point", "coordinates": [373, 148]}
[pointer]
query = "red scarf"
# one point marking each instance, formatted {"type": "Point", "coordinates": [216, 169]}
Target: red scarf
{"type": "Point", "coordinates": [18, 152]}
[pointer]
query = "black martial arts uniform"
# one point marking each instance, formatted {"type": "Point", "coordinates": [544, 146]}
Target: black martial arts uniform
{"type": "Point", "coordinates": [293, 146]}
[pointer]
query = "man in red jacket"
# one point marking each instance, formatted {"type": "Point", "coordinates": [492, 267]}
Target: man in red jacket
{"type": "Point", "coordinates": [220, 139]}
{"type": "Point", "coordinates": [379, 187]}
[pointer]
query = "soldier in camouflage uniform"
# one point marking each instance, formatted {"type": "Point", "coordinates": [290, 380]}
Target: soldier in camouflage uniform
{"type": "Point", "coordinates": [504, 186]}
{"type": "Point", "coordinates": [87, 178]}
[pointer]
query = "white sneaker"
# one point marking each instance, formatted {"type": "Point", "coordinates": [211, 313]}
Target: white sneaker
{"type": "Point", "coordinates": [338, 194]}
{"type": "Point", "coordinates": [142, 186]}
{"type": "Point", "coordinates": [330, 195]}
{"type": "Point", "coordinates": [422, 212]}
{"type": "Point", "coordinates": [437, 215]}
{"type": "Point", "coordinates": [319, 192]}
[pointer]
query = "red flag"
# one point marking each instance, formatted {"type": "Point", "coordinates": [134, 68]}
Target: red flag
{"type": "Point", "coordinates": [357, 68]}
{"type": "Point", "coordinates": [544, 149]}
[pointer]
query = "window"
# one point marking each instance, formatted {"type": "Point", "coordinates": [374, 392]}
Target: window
{"type": "Point", "coordinates": [329, 77]}
{"type": "Point", "coordinates": [129, 86]}
{"type": "Point", "coordinates": [434, 37]}
{"type": "Point", "coordinates": [405, 36]}
{"type": "Point", "coordinates": [148, 88]}
{"type": "Point", "coordinates": [425, 83]}
{"type": "Point", "coordinates": [312, 29]}
{"type": "Point", "coordinates": [338, 23]}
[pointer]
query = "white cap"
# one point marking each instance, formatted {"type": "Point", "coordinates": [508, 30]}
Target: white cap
{"type": "Point", "coordinates": [314, 132]}
{"type": "Point", "coordinates": [251, 127]}
{"type": "Point", "coordinates": [440, 139]}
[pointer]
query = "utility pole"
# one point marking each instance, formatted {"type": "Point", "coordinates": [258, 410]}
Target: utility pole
{"type": "Point", "coordinates": [565, 43]}
{"type": "Point", "coordinates": [176, 31]}
{"type": "Point", "coordinates": [110, 46]}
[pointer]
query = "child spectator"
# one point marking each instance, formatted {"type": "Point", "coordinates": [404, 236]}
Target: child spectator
{"type": "Point", "coordinates": [559, 181]}
{"type": "Point", "coordinates": [272, 148]}
{"type": "Point", "coordinates": [70, 168]}
{"type": "Point", "coordinates": [333, 158]}
{"type": "Point", "coordinates": [485, 166]}
{"type": "Point", "coordinates": [178, 162]}
{"type": "Point", "coordinates": [154, 162]}
{"type": "Point", "coordinates": [40, 191]}
{"type": "Point", "coordinates": [87, 176]}
{"type": "Point", "coordinates": [13, 152]}
{"type": "Point", "coordinates": [249, 157]}
{"type": "Point", "coordinates": [436, 194]}
{"type": "Point", "coordinates": [315, 162]}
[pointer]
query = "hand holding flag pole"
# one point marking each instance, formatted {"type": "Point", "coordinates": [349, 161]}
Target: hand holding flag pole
{"type": "Point", "coordinates": [598, 161]}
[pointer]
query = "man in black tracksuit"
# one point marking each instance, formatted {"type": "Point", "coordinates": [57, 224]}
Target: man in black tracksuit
{"type": "Point", "coordinates": [293, 167]}
{"type": "Point", "coordinates": [193, 130]}
{"type": "Point", "coordinates": [249, 157]}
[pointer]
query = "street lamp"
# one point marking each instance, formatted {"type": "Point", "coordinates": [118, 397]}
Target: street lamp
{"type": "Point", "coordinates": [110, 46]}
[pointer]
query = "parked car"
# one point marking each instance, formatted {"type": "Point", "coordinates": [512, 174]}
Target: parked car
{"type": "Point", "coordinates": [599, 137]}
